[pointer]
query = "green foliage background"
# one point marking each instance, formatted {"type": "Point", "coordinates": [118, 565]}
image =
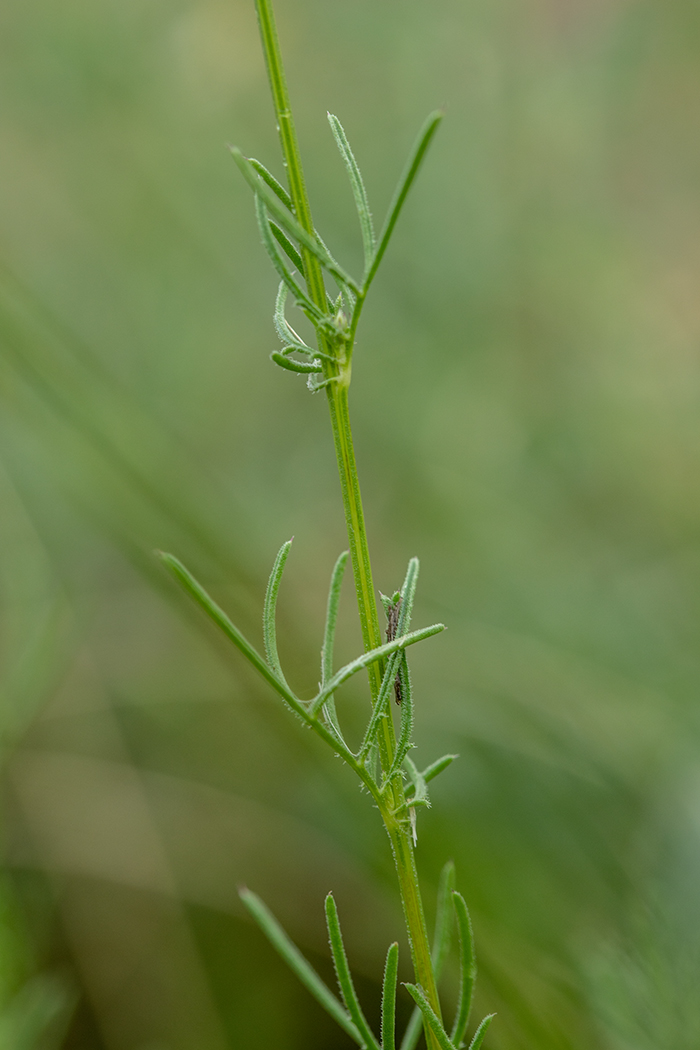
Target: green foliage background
{"type": "Point", "coordinates": [525, 398]}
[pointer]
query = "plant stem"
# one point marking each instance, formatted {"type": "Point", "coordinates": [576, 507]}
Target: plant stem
{"type": "Point", "coordinates": [337, 393]}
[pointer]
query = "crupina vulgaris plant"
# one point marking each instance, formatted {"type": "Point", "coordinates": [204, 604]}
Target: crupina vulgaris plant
{"type": "Point", "coordinates": [383, 761]}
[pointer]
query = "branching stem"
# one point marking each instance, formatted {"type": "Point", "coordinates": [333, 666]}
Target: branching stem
{"type": "Point", "coordinates": [338, 372]}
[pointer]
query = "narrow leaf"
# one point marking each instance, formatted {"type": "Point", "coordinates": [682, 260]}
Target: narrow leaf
{"type": "Point", "coordinates": [358, 189]}
{"type": "Point", "coordinates": [332, 617]}
{"type": "Point", "coordinates": [369, 658]}
{"type": "Point", "coordinates": [216, 613]}
{"type": "Point", "coordinates": [219, 617]}
{"type": "Point", "coordinates": [481, 1032]}
{"type": "Point", "coordinates": [434, 768]}
{"type": "Point", "coordinates": [342, 970]}
{"type": "Point", "coordinates": [388, 1029]}
{"type": "Point", "coordinates": [279, 263]}
{"type": "Point", "coordinates": [441, 943]}
{"type": "Point", "coordinates": [408, 594]}
{"type": "Point", "coordinates": [287, 247]}
{"type": "Point", "coordinates": [282, 326]}
{"type": "Point", "coordinates": [420, 790]}
{"type": "Point", "coordinates": [467, 968]}
{"type": "Point", "coordinates": [405, 182]}
{"type": "Point", "coordinates": [298, 964]}
{"type": "Point", "coordinates": [306, 367]}
{"type": "Point", "coordinates": [329, 637]}
{"type": "Point", "coordinates": [272, 182]}
{"type": "Point", "coordinates": [289, 223]}
{"type": "Point", "coordinates": [404, 744]}
{"type": "Point", "coordinates": [431, 1018]}
{"type": "Point", "coordinates": [270, 608]}
{"type": "Point", "coordinates": [381, 705]}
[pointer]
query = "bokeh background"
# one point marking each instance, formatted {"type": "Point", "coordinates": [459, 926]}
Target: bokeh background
{"type": "Point", "coordinates": [525, 397]}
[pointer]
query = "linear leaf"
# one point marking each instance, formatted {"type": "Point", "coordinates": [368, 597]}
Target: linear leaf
{"type": "Point", "coordinates": [436, 767]}
{"type": "Point", "coordinates": [298, 964]}
{"type": "Point", "coordinates": [342, 970]}
{"type": "Point", "coordinates": [481, 1032]}
{"type": "Point", "coordinates": [287, 247]}
{"type": "Point", "coordinates": [431, 1018]}
{"type": "Point", "coordinates": [219, 617]}
{"type": "Point", "coordinates": [279, 263]}
{"type": "Point", "coordinates": [270, 608]}
{"type": "Point", "coordinates": [408, 594]}
{"type": "Point", "coordinates": [467, 968]}
{"type": "Point", "coordinates": [441, 944]}
{"type": "Point", "coordinates": [380, 708]}
{"type": "Point", "coordinates": [282, 326]}
{"type": "Point", "coordinates": [291, 365]}
{"type": "Point", "coordinates": [272, 182]}
{"type": "Point", "coordinates": [358, 189]}
{"type": "Point", "coordinates": [286, 244]}
{"type": "Point", "coordinates": [420, 790]}
{"type": "Point", "coordinates": [332, 617]}
{"type": "Point", "coordinates": [388, 1029]}
{"type": "Point", "coordinates": [216, 613]}
{"type": "Point", "coordinates": [369, 658]}
{"type": "Point", "coordinates": [405, 182]}
{"type": "Point", "coordinates": [329, 637]}
{"type": "Point", "coordinates": [404, 744]}
{"type": "Point", "coordinates": [289, 223]}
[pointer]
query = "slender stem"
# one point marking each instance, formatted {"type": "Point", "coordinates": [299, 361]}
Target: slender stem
{"type": "Point", "coordinates": [337, 393]}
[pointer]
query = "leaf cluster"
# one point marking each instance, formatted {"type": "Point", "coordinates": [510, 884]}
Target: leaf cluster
{"type": "Point", "coordinates": [348, 1013]}
{"type": "Point", "coordinates": [320, 713]}
{"type": "Point", "coordinates": [285, 240]}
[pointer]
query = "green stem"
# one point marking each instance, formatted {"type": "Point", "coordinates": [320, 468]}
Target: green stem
{"type": "Point", "coordinates": [337, 392]}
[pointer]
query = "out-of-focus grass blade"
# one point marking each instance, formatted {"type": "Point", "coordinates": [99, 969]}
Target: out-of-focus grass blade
{"type": "Point", "coordinates": [342, 970]}
{"type": "Point", "coordinates": [65, 396]}
{"type": "Point", "coordinates": [37, 1015]}
{"type": "Point", "coordinates": [388, 1029]}
{"type": "Point", "coordinates": [298, 964]}
{"type": "Point", "coordinates": [467, 968]}
{"type": "Point", "coordinates": [358, 189]}
{"type": "Point", "coordinates": [430, 1016]}
{"type": "Point", "coordinates": [270, 608]}
{"type": "Point", "coordinates": [369, 658]}
{"type": "Point", "coordinates": [405, 182]}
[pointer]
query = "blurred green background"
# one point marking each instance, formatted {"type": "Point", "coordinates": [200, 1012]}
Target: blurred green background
{"type": "Point", "coordinates": [525, 400]}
